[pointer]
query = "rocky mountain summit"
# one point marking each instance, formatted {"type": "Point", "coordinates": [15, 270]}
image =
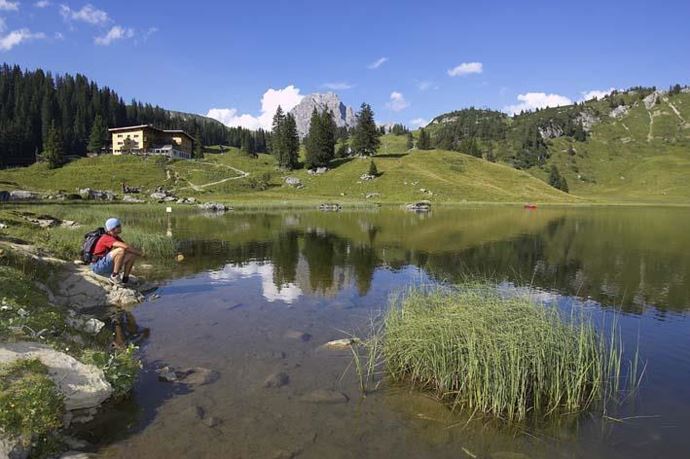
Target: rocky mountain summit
{"type": "Point", "coordinates": [344, 116]}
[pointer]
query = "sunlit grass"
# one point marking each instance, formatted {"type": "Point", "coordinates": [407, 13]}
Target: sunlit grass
{"type": "Point", "coordinates": [505, 356]}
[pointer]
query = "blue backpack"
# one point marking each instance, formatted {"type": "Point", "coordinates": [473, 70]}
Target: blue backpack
{"type": "Point", "coordinates": [90, 240]}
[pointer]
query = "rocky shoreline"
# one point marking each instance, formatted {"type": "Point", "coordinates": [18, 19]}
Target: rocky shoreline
{"type": "Point", "coordinates": [89, 306]}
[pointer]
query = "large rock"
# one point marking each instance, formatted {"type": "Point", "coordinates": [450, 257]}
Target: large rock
{"type": "Point", "coordinates": [96, 195]}
{"type": "Point", "coordinates": [83, 386]}
{"type": "Point", "coordinates": [293, 182]}
{"type": "Point", "coordinates": [342, 115]}
{"type": "Point", "coordinates": [12, 448]}
{"type": "Point", "coordinates": [214, 207]}
{"type": "Point", "coordinates": [22, 195]}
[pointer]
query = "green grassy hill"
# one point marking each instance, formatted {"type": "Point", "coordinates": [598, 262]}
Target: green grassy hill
{"type": "Point", "coordinates": [444, 176]}
{"type": "Point", "coordinates": [637, 148]}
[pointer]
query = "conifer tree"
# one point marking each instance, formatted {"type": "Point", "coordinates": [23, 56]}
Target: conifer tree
{"type": "Point", "coordinates": [373, 170]}
{"type": "Point", "coordinates": [278, 135]}
{"type": "Point", "coordinates": [54, 150]}
{"type": "Point", "coordinates": [291, 142]}
{"type": "Point", "coordinates": [410, 141]}
{"type": "Point", "coordinates": [198, 152]}
{"type": "Point", "coordinates": [424, 141]}
{"type": "Point", "coordinates": [99, 135]}
{"type": "Point", "coordinates": [365, 139]}
{"type": "Point", "coordinates": [320, 142]}
{"type": "Point", "coordinates": [556, 180]}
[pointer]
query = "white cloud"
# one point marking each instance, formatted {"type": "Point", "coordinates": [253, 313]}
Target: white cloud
{"type": "Point", "coordinates": [588, 95]}
{"type": "Point", "coordinates": [419, 122]}
{"type": "Point", "coordinates": [6, 5]}
{"type": "Point", "coordinates": [531, 100]}
{"type": "Point", "coordinates": [425, 85]}
{"type": "Point", "coordinates": [88, 14]}
{"type": "Point", "coordinates": [338, 86]}
{"type": "Point", "coordinates": [397, 102]}
{"type": "Point", "coordinates": [114, 34]}
{"type": "Point", "coordinates": [378, 63]}
{"type": "Point", "coordinates": [287, 98]}
{"type": "Point", "coordinates": [150, 31]}
{"type": "Point", "coordinates": [16, 37]}
{"type": "Point", "coordinates": [42, 4]}
{"type": "Point", "coordinates": [466, 68]}
{"type": "Point", "coordinates": [286, 293]}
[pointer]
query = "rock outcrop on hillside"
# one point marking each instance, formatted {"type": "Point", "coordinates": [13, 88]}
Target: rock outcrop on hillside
{"type": "Point", "coordinates": [344, 116]}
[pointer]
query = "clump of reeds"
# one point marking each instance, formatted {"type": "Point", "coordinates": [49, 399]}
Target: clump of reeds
{"type": "Point", "coordinates": [505, 356]}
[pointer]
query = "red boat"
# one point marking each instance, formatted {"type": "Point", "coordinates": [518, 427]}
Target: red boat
{"type": "Point", "coordinates": [530, 206]}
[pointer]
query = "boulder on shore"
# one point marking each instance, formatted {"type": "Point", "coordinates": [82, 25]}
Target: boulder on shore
{"type": "Point", "coordinates": [214, 207]}
{"type": "Point", "coordinates": [23, 195]}
{"type": "Point", "coordinates": [96, 195]}
{"type": "Point", "coordinates": [83, 386]}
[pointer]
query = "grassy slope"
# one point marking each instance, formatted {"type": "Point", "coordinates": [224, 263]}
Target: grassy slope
{"type": "Point", "coordinates": [626, 160]}
{"type": "Point", "coordinates": [450, 176]}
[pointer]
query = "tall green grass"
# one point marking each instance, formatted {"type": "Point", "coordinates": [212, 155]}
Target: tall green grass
{"type": "Point", "coordinates": [508, 357]}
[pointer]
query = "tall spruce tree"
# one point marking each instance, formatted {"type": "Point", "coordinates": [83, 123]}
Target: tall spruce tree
{"type": "Point", "coordinates": [556, 180]}
{"type": "Point", "coordinates": [278, 134]}
{"type": "Point", "coordinates": [54, 151]}
{"type": "Point", "coordinates": [320, 141]}
{"type": "Point", "coordinates": [198, 151]}
{"type": "Point", "coordinates": [99, 135]}
{"type": "Point", "coordinates": [365, 138]}
{"type": "Point", "coordinates": [424, 141]}
{"type": "Point", "coordinates": [291, 141]}
{"type": "Point", "coordinates": [410, 141]}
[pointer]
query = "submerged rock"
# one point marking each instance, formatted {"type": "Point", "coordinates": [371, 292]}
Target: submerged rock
{"type": "Point", "coordinates": [83, 386]}
{"type": "Point", "coordinates": [294, 334]}
{"type": "Point", "coordinates": [340, 344]}
{"type": "Point", "coordinates": [324, 396]}
{"type": "Point", "coordinates": [197, 376]}
{"type": "Point", "coordinates": [276, 380]}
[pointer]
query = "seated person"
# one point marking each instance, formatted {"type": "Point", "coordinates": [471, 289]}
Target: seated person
{"type": "Point", "coordinates": [112, 255]}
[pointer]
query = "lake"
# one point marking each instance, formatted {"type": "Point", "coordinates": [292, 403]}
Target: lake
{"type": "Point", "coordinates": [260, 293]}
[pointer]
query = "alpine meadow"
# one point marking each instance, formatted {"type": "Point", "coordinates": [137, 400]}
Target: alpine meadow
{"type": "Point", "coordinates": [299, 230]}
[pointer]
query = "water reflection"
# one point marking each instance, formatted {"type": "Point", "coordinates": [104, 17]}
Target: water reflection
{"type": "Point", "coordinates": [629, 258]}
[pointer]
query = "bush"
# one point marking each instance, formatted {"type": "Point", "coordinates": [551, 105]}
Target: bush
{"type": "Point", "coordinates": [120, 368]}
{"type": "Point", "coordinates": [373, 170]}
{"type": "Point", "coordinates": [261, 183]}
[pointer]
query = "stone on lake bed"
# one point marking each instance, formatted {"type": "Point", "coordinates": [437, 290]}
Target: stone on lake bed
{"type": "Point", "coordinates": [324, 396]}
{"type": "Point", "coordinates": [293, 334]}
{"type": "Point", "coordinates": [276, 380]}
{"type": "Point", "coordinates": [196, 376]}
{"type": "Point", "coordinates": [340, 344]}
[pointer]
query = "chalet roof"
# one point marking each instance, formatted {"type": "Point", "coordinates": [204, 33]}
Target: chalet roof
{"type": "Point", "coordinates": [149, 126]}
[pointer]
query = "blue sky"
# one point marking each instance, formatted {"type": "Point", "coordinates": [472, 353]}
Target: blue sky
{"type": "Point", "coordinates": [432, 56]}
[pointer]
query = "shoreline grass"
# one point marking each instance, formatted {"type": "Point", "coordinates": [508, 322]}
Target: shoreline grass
{"type": "Point", "coordinates": [504, 356]}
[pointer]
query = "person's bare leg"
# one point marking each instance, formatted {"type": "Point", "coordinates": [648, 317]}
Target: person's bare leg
{"type": "Point", "coordinates": [129, 260]}
{"type": "Point", "coordinates": [118, 256]}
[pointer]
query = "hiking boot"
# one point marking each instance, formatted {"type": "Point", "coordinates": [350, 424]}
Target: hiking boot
{"type": "Point", "coordinates": [115, 280]}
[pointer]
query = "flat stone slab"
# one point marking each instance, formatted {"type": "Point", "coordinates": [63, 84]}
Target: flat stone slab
{"type": "Point", "coordinates": [83, 386]}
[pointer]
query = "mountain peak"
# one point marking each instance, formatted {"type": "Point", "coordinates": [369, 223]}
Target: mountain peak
{"type": "Point", "coordinates": [342, 115]}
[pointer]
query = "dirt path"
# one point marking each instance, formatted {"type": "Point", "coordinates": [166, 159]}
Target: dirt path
{"type": "Point", "coordinates": [675, 110]}
{"type": "Point", "coordinates": [650, 137]}
{"type": "Point", "coordinates": [241, 174]}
